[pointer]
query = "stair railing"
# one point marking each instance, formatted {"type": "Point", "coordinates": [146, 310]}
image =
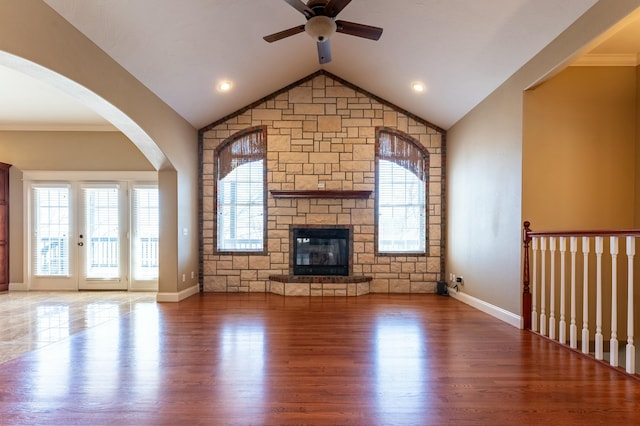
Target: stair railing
{"type": "Point", "coordinates": [544, 299]}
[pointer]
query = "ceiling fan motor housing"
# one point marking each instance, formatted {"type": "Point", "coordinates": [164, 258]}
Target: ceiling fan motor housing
{"type": "Point", "coordinates": [317, 5]}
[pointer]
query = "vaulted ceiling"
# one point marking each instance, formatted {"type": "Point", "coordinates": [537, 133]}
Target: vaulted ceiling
{"type": "Point", "coordinates": [461, 50]}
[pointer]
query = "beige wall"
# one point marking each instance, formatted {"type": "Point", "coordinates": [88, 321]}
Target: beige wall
{"type": "Point", "coordinates": [484, 169]}
{"type": "Point", "coordinates": [483, 200]}
{"type": "Point", "coordinates": [636, 222]}
{"type": "Point", "coordinates": [579, 144]}
{"type": "Point", "coordinates": [323, 132]}
{"type": "Point", "coordinates": [580, 148]}
{"type": "Point", "coordinates": [58, 151]}
{"type": "Point", "coordinates": [37, 41]}
{"type": "Point", "coordinates": [71, 151]}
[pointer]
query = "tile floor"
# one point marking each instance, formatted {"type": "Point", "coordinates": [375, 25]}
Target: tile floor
{"type": "Point", "coordinates": [30, 321]}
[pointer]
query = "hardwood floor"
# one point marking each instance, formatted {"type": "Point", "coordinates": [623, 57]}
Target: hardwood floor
{"type": "Point", "coordinates": [264, 359]}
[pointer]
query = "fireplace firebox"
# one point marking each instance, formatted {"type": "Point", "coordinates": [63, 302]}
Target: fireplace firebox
{"type": "Point", "coordinates": [320, 251]}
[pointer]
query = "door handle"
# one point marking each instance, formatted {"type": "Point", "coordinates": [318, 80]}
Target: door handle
{"type": "Point", "coordinates": [80, 243]}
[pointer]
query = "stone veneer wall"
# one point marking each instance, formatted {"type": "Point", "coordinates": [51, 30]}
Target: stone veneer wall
{"type": "Point", "coordinates": [321, 131]}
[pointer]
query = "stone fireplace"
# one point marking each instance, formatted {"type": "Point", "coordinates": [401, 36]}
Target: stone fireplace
{"type": "Point", "coordinates": [320, 263]}
{"type": "Point", "coordinates": [320, 173]}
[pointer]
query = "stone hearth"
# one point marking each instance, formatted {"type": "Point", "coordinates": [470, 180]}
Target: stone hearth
{"type": "Point", "coordinates": [316, 285]}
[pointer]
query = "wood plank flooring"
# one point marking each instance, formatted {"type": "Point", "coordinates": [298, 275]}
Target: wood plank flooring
{"type": "Point", "coordinates": [264, 359]}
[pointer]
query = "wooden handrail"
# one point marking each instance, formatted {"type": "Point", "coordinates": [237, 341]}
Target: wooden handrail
{"type": "Point", "coordinates": [582, 233]}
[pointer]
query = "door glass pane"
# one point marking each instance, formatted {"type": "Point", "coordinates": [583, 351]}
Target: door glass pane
{"type": "Point", "coordinates": [146, 222]}
{"type": "Point", "coordinates": [102, 233]}
{"type": "Point", "coordinates": [51, 231]}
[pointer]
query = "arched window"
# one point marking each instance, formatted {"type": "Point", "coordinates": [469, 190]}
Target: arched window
{"type": "Point", "coordinates": [401, 193]}
{"type": "Point", "coordinates": [240, 191]}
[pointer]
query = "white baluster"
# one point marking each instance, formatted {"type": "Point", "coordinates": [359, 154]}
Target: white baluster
{"type": "Point", "coordinates": [586, 242]}
{"type": "Point", "coordinates": [552, 290]}
{"type": "Point", "coordinates": [599, 337]}
{"type": "Point", "coordinates": [562, 326]}
{"type": "Point", "coordinates": [543, 285]}
{"type": "Point", "coordinates": [613, 343]}
{"type": "Point", "coordinates": [573, 328]}
{"type": "Point", "coordinates": [631, 350]}
{"type": "Point", "coordinates": [534, 313]}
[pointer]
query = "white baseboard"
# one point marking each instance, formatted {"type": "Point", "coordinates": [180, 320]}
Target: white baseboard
{"type": "Point", "coordinates": [18, 287]}
{"type": "Point", "coordinates": [176, 297]}
{"type": "Point", "coordinates": [496, 312]}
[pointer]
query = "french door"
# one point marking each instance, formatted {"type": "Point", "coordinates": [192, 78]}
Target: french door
{"type": "Point", "coordinates": [102, 249]}
{"type": "Point", "coordinates": [93, 236]}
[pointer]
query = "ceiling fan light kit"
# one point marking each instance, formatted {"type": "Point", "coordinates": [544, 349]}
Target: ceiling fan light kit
{"type": "Point", "coordinates": [320, 28]}
{"type": "Point", "coordinates": [321, 25]}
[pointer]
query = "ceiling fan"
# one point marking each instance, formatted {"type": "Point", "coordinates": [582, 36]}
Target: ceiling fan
{"type": "Point", "coordinates": [321, 25]}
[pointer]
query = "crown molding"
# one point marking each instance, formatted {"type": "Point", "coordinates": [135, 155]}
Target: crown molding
{"type": "Point", "coordinates": [607, 60]}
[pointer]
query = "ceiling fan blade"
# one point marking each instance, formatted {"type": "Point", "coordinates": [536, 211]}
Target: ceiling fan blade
{"type": "Point", "coordinates": [324, 52]}
{"type": "Point", "coordinates": [334, 7]}
{"type": "Point", "coordinates": [359, 30]}
{"type": "Point", "coordinates": [301, 7]}
{"type": "Point", "coordinates": [283, 34]}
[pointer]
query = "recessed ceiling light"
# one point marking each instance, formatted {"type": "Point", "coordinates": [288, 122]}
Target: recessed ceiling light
{"type": "Point", "coordinates": [417, 86]}
{"type": "Point", "coordinates": [224, 86]}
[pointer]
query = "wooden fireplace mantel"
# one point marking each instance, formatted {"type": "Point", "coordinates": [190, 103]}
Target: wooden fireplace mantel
{"type": "Point", "coordinates": [320, 193]}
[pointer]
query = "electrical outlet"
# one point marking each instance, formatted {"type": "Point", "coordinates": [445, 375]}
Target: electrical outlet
{"type": "Point", "coordinates": [460, 280]}
{"type": "Point", "coordinates": [184, 277]}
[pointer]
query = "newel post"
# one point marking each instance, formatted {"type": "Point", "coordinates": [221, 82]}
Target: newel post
{"type": "Point", "coordinates": [526, 294]}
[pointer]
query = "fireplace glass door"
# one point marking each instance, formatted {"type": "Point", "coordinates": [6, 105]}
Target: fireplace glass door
{"type": "Point", "coordinates": [320, 251]}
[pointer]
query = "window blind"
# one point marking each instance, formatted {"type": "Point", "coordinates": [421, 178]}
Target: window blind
{"type": "Point", "coordinates": [51, 230]}
{"type": "Point", "coordinates": [101, 232]}
{"type": "Point", "coordinates": [145, 235]}
{"type": "Point", "coordinates": [240, 208]}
